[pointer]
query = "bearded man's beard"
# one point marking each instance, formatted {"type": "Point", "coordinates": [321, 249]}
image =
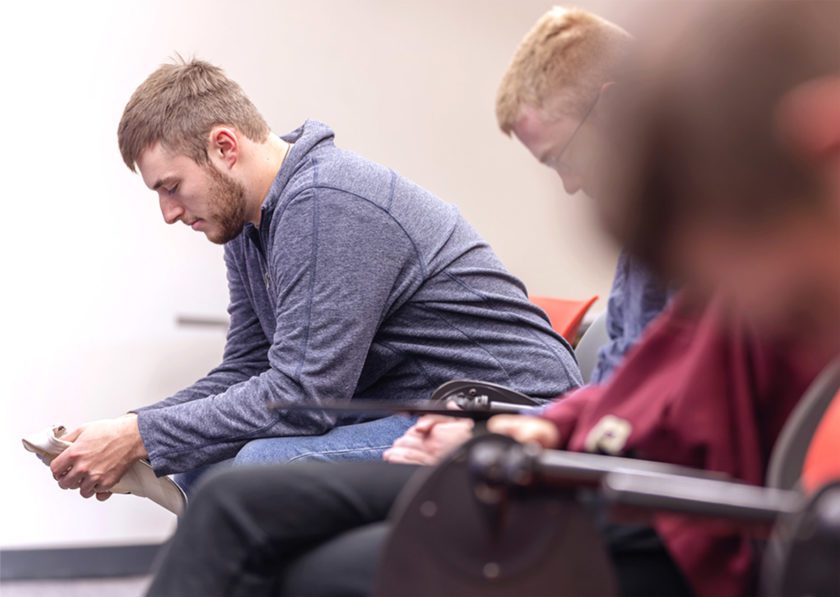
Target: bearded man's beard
{"type": "Point", "coordinates": [227, 205]}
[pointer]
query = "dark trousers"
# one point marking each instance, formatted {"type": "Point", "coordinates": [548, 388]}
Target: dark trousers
{"type": "Point", "coordinates": [316, 528]}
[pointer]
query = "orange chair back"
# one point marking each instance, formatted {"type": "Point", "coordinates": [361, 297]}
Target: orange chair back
{"type": "Point", "coordinates": [565, 315]}
{"type": "Point", "coordinates": [822, 463]}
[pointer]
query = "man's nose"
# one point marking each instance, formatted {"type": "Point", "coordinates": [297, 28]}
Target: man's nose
{"type": "Point", "coordinates": [170, 209]}
{"type": "Point", "coordinates": [571, 184]}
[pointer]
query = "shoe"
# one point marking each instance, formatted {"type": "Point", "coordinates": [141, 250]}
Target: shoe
{"type": "Point", "coordinates": [139, 479]}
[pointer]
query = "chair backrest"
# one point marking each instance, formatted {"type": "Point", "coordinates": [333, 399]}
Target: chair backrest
{"type": "Point", "coordinates": [789, 453]}
{"type": "Point", "coordinates": [454, 534]}
{"type": "Point", "coordinates": [587, 349]}
{"type": "Point", "coordinates": [822, 462]}
{"type": "Point", "coordinates": [565, 315]}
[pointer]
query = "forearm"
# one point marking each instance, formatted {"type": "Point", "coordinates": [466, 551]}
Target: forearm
{"type": "Point", "coordinates": [186, 435]}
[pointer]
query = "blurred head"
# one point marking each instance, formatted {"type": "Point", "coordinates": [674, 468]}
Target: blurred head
{"type": "Point", "coordinates": [734, 182]}
{"type": "Point", "coordinates": [186, 128]}
{"type": "Point", "coordinates": [554, 95]}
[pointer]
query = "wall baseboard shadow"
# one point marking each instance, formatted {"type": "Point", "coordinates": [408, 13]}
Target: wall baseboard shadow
{"type": "Point", "coordinates": [77, 562]}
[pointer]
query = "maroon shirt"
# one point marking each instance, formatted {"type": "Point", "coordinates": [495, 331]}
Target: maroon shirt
{"type": "Point", "coordinates": [701, 390]}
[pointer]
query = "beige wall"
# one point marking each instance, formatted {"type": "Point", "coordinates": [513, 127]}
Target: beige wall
{"type": "Point", "coordinates": [93, 279]}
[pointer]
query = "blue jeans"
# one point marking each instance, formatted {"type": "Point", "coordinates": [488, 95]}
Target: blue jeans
{"type": "Point", "coordinates": [359, 441]}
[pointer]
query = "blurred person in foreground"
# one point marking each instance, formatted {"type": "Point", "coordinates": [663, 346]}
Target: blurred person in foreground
{"type": "Point", "coordinates": [741, 204]}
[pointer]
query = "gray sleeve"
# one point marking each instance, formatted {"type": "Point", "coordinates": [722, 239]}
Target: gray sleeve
{"type": "Point", "coordinates": [246, 348]}
{"type": "Point", "coordinates": [335, 265]}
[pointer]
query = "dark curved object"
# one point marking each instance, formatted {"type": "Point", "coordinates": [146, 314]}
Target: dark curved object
{"type": "Point", "coordinates": [455, 533]}
{"type": "Point", "coordinates": [481, 393]}
{"type": "Point", "coordinates": [478, 400]}
{"type": "Point", "coordinates": [803, 556]}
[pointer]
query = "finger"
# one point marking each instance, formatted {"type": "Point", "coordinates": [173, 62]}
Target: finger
{"type": "Point", "coordinates": [73, 479]}
{"type": "Point", "coordinates": [518, 430]}
{"type": "Point", "coordinates": [502, 423]}
{"type": "Point", "coordinates": [412, 431]}
{"type": "Point", "coordinates": [455, 426]}
{"type": "Point", "coordinates": [452, 405]}
{"type": "Point", "coordinates": [61, 464]}
{"type": "Point", "coordinates": [88, 487]}
{"type": "Point", "coordinates": [73, 435]}
{"type": "Point", "coordinates": [103, 495]}
{"type": "Point", "coordinates": [427, 422]}
{"type": "Point", "coordinates": [59, 476]}
{"type": "Point", "coordinates": [107, 482]}
{"type": "Point", "coordinates": [408, 441]}
{"type": "Point", "coordinates": [63, 480]}
{"type": "Point", "coordinates": [407, 456]}
{"type": "Point", "coordinates": [526, 429]}
{"type": "Point", "coordinates": [69, 481]}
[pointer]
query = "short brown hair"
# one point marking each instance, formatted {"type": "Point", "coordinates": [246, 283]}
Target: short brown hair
{"type": "Point", "coordinates": [570, 54]}
{"type": "Point", "coordinates": [179, 104]}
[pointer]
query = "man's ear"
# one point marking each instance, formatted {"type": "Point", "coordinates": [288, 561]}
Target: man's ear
{"type": "Point", "coordinates": [223, 147]}
{"type": "Point", "coordinates": [606, 101]}
{"type": "Point", "coordinates": [809, 118]}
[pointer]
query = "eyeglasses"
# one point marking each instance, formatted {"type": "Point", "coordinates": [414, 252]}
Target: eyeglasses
{"type": "Point", "coordinates": [559, 162]}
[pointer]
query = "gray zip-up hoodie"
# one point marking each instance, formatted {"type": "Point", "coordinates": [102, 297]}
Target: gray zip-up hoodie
{"type": "Point", "coordinates": [357, 284]}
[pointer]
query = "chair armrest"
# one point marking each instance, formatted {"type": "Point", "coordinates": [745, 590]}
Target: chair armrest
{"type": "Point", "coordinates": [700, 497]}
{"type": "Point", "coordinates": [483, 394]}
{"type": "Point", "coordinates": [579, 468]}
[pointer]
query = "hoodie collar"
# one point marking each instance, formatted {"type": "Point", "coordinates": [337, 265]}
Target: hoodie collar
{"type": "Point", "coordinates": [304, 139]}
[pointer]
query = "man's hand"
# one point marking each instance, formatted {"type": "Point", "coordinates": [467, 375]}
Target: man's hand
{"type": "Point", "coordinates": [429, 440]}
{"type": "Point", "coordinates": [101, 453]}
{"type": "Point", "coordinates": [526, 429]}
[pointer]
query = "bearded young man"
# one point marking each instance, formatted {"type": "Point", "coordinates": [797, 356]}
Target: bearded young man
{"type": "Point", "coordinates": [346, 281]}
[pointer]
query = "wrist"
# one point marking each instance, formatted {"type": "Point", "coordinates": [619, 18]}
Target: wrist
{"type": "Point", "coordinates": [138, 450]}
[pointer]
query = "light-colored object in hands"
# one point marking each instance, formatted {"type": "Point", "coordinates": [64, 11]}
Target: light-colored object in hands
{"type": "Point", "coordinates": [139, 479]}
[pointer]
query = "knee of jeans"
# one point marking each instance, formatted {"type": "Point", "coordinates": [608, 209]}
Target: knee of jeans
{"type": "Point", "coordinates": [273, 450]}
{"type": "Point", "coordinates": [254, 452]}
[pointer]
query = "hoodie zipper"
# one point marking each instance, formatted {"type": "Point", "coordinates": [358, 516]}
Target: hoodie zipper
{"type": "Point", "coordinates": [256, 237]}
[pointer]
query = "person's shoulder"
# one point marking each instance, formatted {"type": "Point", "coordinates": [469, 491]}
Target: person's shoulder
{"type": "Point", "coordinates": [344, 171]}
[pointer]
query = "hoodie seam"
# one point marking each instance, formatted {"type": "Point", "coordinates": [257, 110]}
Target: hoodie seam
{"type": "Point", "coordinates": [313, 273]}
